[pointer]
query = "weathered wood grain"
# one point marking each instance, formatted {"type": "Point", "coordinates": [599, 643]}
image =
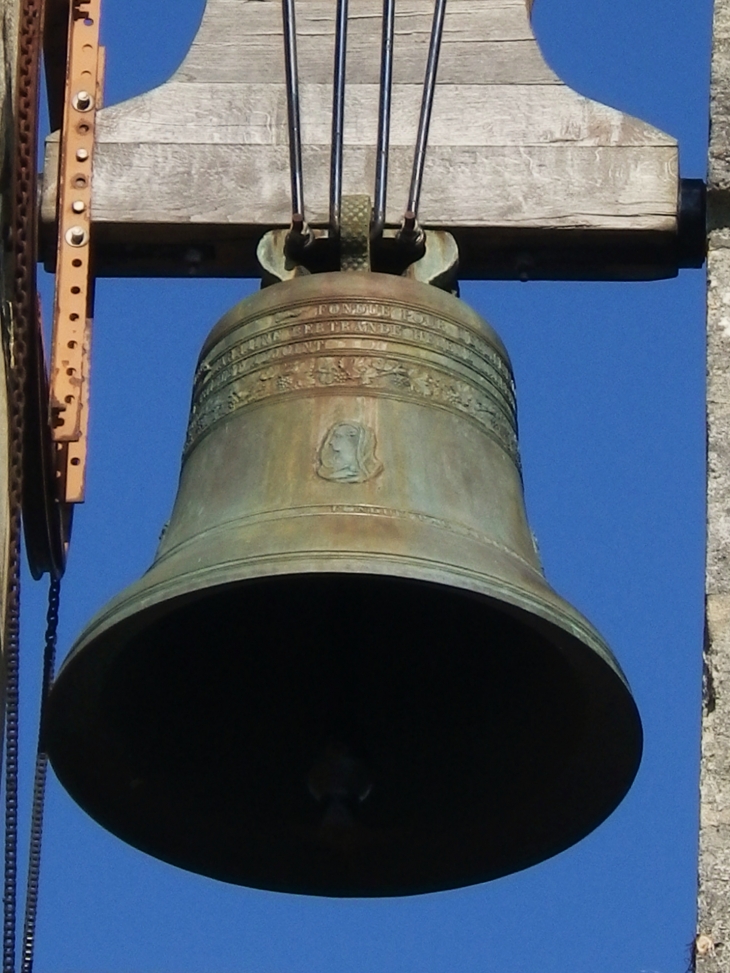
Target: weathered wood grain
{"type": "Point", "coordinates": [250, 184]}
{"type": "Point", "coordinates": [251, 114]}
{"type": "Point", "coordinates": [241, 42]}
{"type": "Point", "coordinates": [502, 62]}
{"type": "Point", "coordinates": [510, 148]}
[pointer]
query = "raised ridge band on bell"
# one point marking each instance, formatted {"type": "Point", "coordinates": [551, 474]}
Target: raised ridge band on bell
{"type": "Point", "coordinates": [358, 345]}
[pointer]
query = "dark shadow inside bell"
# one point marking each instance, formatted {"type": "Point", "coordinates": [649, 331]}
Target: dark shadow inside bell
{"type": "Point", "coordinates": [473, 727]}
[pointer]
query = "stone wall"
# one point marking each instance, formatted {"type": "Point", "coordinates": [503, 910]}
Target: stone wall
{"type": "Point", "coordinates": [713, 940]}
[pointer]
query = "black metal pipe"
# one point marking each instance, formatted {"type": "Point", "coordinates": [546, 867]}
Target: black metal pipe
{"type": "Point", "coordinates": [429, 86]}
{"type": "Point", "coordinates": [386, 88]}
{"type": "Point", "coordinates": [293, 114]}
{"type": "Point", "coordinates": [692, 223]}
{"type": "Point", "coordinates": [338, 117]}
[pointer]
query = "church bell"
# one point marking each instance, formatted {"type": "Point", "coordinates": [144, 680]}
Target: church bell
{"type": "Point", "coordinates": [345, 673]}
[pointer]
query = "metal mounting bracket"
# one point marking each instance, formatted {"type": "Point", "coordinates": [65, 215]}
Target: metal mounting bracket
{"type": "Point", "coordinates": [74, 292]}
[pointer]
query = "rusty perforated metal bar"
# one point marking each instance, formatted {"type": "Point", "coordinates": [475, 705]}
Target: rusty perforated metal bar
{"type": "Point", "coordinates": [73, 304]}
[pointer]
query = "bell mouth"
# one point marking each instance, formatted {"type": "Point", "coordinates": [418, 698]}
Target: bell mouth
{"type": "Point", "coordinates": [344, 734]}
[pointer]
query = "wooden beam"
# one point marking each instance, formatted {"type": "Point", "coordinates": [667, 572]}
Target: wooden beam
{"type": "Point", "coordinates": [516, 159]}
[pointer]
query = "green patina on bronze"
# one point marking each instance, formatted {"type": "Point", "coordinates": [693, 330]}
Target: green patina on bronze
{"type": "Point", "coordinates": [344, 672]}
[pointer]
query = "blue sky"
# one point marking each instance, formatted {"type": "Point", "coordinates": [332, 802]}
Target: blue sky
{"type": "Point", "coordinates": [610, 389]}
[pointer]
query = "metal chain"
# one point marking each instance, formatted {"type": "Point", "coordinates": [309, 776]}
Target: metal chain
{"type": "Point", "coordinates": [39, 785]}
{"type": "Point", "coordinates": [12, 631]}
{"type": "Point", "coordinates": [25, 308]}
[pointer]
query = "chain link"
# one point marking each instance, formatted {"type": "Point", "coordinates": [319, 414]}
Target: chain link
{"type": "Point", "coordinates": [39, 785]}
{"type": "Point", "coordinates": [25, 308]}
{"type": "Point", "coordinates": [12, 632]}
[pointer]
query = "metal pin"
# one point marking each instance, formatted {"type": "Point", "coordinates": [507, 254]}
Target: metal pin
{"type": "Point", "coordinates": [82, 101]}
{"type": "Point", "coordinates": [338, 117]}
{"type": "Point", "coordinates": [386, 87]}
{"type": "Point", "coordinates": [76, 236]}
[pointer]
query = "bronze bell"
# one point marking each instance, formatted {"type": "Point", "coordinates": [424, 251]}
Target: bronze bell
{"type": "Point", "coordinates": [344, 673]}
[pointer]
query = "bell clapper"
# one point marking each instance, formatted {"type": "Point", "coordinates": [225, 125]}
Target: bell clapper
{"type": "Point", "coordinates": [339, 782]}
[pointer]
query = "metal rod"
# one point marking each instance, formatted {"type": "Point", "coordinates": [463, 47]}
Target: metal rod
{"type": "Point", "coordinates": [429, 86]}
{"type": "Point", "coordinates": [293, 114]}
{"type": "Point", "coordinates": [386, 87]}
{"type": "Point", "coordinates": [338, 117]}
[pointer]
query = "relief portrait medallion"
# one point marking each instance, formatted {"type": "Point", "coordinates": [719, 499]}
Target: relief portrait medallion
{"type": "Point", "coordinates": [347, 454]}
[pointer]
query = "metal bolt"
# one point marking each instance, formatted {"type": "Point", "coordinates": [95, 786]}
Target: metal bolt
{"type": "Point", "coordinates": [193, 256]}
{"type": "Point", "coordinates": [409, 221]}
{"type": "Point", "coordinates": [78, 206]}
{"type": "Point", "coordinates": [82, 155]}
{"type": "Point", "coordinates": [76, 236]}
{"type": "Point", "coordinates": [82, 101]}
{"type": "Point", "coordinates": [524, 265]}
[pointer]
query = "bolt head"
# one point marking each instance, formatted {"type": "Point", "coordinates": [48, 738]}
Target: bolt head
{"type": "Point", "coordinates": [83, 101]}
{"type": "Point", "coordinates": [76, 236]}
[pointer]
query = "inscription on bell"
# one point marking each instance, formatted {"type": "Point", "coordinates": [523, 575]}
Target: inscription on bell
{"type": "Point", "coordinates": [429, 353]}
{"type": "Point", "coordinates": [347, 454]}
